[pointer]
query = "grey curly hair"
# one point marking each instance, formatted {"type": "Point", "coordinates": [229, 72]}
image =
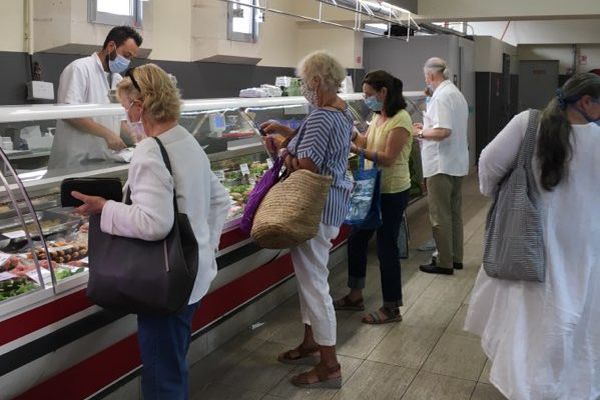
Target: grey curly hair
{"type": "Point", "coordinates": [436, 65]}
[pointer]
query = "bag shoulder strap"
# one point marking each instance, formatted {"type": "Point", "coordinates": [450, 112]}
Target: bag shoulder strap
{"type": "Point", "coordinates": [167, 161]}
{"type": "Point", "coordinates": [528, 145]}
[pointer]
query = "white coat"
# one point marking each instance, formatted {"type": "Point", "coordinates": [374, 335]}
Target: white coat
{"type": "Point", "coordinates": [84, 81]}
{"type": "Point", "coordinates": [200, 195]}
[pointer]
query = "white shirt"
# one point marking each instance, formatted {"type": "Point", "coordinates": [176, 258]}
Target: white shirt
{"type": "Point", "coordinates": [83, 81]}
{"type": "Point", "coordinates": [447, 109]}
{"type": "Point", "coordinates": [544, 338]}
{"type": "Point", "coordinates": [200, 195]}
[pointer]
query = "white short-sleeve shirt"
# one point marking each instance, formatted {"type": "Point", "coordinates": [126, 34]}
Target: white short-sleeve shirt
{"type": "Point", "coordinates": [84, 81]}
{"type": "Point", "coordinates": [447, 109]}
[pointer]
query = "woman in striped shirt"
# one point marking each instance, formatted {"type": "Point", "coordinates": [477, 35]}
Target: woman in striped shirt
{"type": "Point", "coordinates": [320, 145]}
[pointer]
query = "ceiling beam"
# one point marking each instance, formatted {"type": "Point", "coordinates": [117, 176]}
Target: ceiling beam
{"type": "Point", "coordinates": [495, 10]}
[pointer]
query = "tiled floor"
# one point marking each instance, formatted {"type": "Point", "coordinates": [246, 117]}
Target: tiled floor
{"type": "Point", "coordinates": [427, 356]}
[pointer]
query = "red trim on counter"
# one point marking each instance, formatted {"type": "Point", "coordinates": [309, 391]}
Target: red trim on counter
{"type": "Point", "coordinates": [230, 238]}
{"type": "Point", "coordinates": [226, 298]}
{"type": "Point", "coordinates": [89, 376]}
{"type": "Point", "coordinates": [343, 235]}
{"type": "Point", "coordinates": [44, 315]}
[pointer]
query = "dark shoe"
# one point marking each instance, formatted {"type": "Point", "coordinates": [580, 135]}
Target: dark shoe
{"type": "Point", "coordinates": [345, 303]}
{"type": "Point", "coordinates": [320, 377]}
{"type": "Point", "coordinates": [455, 265]}
{"type": "Point", "coordinates": [300, 356]}
{"type": "Point", "coordinates": [382, 316]}
{"type": "Point", "coordinates": [433, 269]}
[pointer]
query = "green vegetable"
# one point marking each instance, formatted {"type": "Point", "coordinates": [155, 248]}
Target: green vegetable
{"type": "Point", "coordinates": [67, 272]}
{"type": "Point", "coordinates": [239, 189]}
{"type": "Point", "coordinates": [15, 287]}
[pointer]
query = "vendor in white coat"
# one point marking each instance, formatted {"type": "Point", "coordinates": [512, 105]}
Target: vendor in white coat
{"type": "Point", "coordinates": [88, 80]}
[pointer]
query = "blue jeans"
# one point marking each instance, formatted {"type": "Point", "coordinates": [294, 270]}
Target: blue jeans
{"type": "Point", "coordinates": [392, 209]}
{"type": "Point", "coordinates": [164, 343]}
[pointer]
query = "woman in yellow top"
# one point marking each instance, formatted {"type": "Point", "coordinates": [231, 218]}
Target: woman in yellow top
{"type": "Point", "coordinates": [388, 143]}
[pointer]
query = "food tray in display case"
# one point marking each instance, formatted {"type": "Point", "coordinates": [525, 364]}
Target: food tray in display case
{"type": "Point", "coordinates": [50, 222]}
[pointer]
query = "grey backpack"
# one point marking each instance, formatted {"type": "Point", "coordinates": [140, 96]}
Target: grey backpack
{"type": "Point", "coordinates": [513, 244]}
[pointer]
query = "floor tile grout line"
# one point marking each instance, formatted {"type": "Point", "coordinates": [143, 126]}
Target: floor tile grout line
{"type": "Point", "coordinates": [428, 355]}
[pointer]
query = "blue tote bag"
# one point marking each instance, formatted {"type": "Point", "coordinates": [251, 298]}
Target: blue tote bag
{"type": "Point", "coordinates": [365, 200]}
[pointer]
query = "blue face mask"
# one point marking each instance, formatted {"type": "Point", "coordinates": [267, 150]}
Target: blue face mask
{"type": "Point", "coordinates": [373, 103]}
{"type": "Point", "coordinates": [119, 64]}
{"type": "Point", "coordinates": [587, 117]}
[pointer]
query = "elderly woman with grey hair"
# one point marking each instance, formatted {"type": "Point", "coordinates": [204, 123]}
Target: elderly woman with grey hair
{"type": "Point", "coordinates": [324, 149]}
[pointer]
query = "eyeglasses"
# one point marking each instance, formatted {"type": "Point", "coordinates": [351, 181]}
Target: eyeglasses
{"type": "Point", "coordinates": [129, 74]}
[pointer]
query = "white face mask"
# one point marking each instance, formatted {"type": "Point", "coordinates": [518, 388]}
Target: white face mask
{"type": "Point", "coordinates": [136, 128]}
{"type": "Point", "coordinates": [309, 94]}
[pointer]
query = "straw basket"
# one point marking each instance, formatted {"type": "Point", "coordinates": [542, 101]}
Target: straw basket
{"type": "Point", "coordinates": [291, 211]}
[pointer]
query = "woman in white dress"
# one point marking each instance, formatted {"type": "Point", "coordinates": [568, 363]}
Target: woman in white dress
{"type": "Point", "coordinates": [544, 338]}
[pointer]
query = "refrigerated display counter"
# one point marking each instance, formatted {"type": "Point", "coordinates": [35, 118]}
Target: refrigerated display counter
{"type": "Point", "coordinates": [54, 343]}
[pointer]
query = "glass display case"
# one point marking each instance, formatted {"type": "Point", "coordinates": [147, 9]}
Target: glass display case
{"type": "Point", "coordinates": [43, 247]}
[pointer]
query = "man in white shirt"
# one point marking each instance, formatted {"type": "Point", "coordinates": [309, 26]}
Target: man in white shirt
{"type": "Point", "coordinates": [445, 158]}
{"type": "Point", "coordinates": [89, 80]}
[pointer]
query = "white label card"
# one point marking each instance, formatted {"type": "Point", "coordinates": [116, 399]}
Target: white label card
{"type": "Point", "coordinates": [4, 257]}
{"type": "Point", "coordinates": [269, 163]}
{"type": "Point", "coordinates": [4, 276]}
{"type": "Point", "coordinates": [45, 276]}
{"type": "Point", "coordinates": [14, 234]}
{"type": "Point", "coordinates": [220, 174]}
{"type": "Point", "coordinates": [244, 168]}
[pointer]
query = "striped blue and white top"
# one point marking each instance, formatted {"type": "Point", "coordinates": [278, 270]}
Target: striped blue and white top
{"type": "Point", "coordinates": [326, 136]}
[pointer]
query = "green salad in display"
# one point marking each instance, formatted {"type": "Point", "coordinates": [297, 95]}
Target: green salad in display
{"type": "Point", "coordinates": [14, 287]}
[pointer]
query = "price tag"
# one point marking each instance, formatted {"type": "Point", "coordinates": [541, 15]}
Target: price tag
{"type": "Point", "coordinates": [244, 169]}
{"type": "Point", "coordinates": [4, 276]}
{"type": "Point", "coordinates": [4, 257]}
{"type": "Point", "coordinates": [14, 234]}
{"type": "Point", "coordinates": [45, 276]}
{"type": "Point", "coordinates": [269, 163]}
{"type": "Point", "coordinates": [85, 260]}
{"type": "Point", "coordinates": [220, 174]}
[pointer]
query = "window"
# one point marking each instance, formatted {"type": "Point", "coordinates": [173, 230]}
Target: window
{"type": "Point", "coordinates": [242, 21]}
{"type": "Point", "coordinates": [115, 12]}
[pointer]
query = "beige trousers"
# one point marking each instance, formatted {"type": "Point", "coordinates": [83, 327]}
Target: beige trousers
{"type": "Point", "coordinates": [444, 196]}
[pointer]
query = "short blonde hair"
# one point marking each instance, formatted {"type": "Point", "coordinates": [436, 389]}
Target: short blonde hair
{"type": "Point", "coordinates": [322, 65]}
{"type": "Point", "coordinates": [159, 95]}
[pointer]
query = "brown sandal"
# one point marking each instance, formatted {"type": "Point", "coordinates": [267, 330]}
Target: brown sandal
{"type": "Point", "coordinates": [374, 318]}
{"type": "Point", "coordinates": [346, 304]}
{"type": "Point", "coordinates": [319, 377]}
{"type": "Point", "coordinates": [300, 356]}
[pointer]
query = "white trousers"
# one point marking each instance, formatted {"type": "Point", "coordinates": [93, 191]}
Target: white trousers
{"type": "Point", "coordinates": [310, 264]}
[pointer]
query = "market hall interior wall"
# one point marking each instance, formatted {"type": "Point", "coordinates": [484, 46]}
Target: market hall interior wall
{"type": "Point", "coordinates": [196, 79]}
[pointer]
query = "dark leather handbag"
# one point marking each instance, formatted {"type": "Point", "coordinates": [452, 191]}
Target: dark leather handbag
{"type": "Point", "coordinates": [108, 188]}
{"type": "Point", "coordinates": [139, 276]}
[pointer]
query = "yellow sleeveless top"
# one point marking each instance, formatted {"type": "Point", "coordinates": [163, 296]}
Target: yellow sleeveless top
{"type": "Point", "coordinates": [395, 178]}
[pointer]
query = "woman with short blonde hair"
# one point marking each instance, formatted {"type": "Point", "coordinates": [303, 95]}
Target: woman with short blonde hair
{"type": "Point", "coordinates": [321, 66]}
{"type": "Point", "coordinates": [323, 148]}
{"type": "Point", "coordinates": [152, 103]}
